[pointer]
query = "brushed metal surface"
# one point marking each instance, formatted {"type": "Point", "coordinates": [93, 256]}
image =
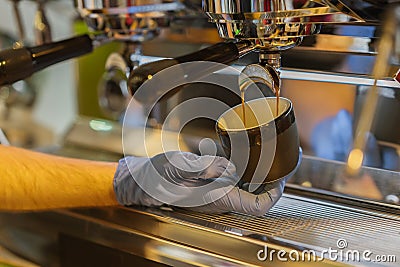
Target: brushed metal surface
{"type": "Point", "coordinates": [185, 238]}
{"type": "Point", "coordinates": [295, 222]}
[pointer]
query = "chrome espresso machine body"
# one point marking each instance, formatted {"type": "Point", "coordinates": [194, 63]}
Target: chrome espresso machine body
{"type": "Point", "coordinates": [302, 48]}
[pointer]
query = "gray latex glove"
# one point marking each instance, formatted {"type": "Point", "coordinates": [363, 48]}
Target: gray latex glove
{"type": "Point", "coordinates": [189, 171]}
{"type": "Point", "coordinates": [186, 170]}
{"type": "Point", "coordinates": [240, 200]}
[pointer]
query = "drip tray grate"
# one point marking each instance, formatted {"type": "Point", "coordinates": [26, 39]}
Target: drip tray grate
{"type": "Point", "coordinates": [312, 224]}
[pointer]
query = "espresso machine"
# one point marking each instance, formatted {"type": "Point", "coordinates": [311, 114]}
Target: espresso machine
{"type": "Point", "coordinates": [268, 28]}
{"type": "Point", "coordinates": [295, 47]}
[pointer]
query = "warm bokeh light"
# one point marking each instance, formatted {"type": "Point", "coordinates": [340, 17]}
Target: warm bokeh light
{"type": "Point", "coordinates": [355, 160]}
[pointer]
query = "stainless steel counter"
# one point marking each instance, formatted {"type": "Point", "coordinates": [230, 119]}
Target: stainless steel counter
{"type": "Point", "coordinates": [184, 238]}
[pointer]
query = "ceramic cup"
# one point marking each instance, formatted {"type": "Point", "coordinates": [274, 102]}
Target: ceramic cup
{"type": "Point", "coordinates": [267, 147]}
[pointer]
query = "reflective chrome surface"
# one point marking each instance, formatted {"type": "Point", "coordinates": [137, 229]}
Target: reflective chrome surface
{"type": "Point", "coordinates": [272, 24]}
{"type": "Point", "coordinates": [273, 37]}
{"type": "Point", "coordinates": [132, 20]}
{"type": "Point", "coordinates": [284, 10]}
{"type": "Point", "coordinates": [126, 6]}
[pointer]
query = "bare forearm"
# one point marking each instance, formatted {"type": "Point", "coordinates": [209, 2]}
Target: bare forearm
{"type": "Point", "coordinates": [32, 181]}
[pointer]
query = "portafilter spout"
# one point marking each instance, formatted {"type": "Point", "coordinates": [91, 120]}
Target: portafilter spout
{"type": "Point", "coordinates": [266, 72]}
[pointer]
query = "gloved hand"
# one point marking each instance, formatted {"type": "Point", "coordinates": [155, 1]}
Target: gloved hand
{"type": "Point", "coordinates": [169, 178]}
{"type": "Point", "coordinates": [240, 200]}
{"type": "Point", "coordinates": [190, 171]}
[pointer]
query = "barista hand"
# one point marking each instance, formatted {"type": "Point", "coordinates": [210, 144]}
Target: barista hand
{"type": "Point", "coordinates": [173, 166]}
{"type": "Point", "coordinates": [240, 200]}
{"type": "Point", "coordinates": [180, 168]}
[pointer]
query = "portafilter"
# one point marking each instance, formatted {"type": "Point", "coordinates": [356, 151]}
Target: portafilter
{"type": "Point", "coordinates": [269, 26]}
{"type": "Point", "coordinates": [266, 26]}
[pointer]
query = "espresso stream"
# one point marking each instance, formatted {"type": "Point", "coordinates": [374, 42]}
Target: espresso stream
{"type": "Point", "coordinates": [244, 106]}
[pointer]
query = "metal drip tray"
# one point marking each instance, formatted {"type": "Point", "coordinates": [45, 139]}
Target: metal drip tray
{"type": "Point", "coordinates": [184, 238]}
{"type": "Point", "coordinates": [310, 224]}
{"type": "Point", "coordinates": [296, 223]}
